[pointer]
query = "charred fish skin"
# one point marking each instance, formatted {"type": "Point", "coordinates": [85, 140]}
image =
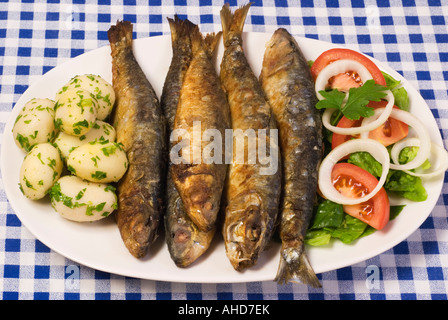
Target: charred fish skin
{"type": "Point", "coordinates": [252, 198]}
{"type": "Point", "coordinates": [140, 125]}
{"type": "Point", "coordinates": [289, 87]}
{"type": "Point", "coordinates": [186, 243]}
{"type": "Point", "coordinates": [202, 101]}
{"type": "Point", "coordinates": [180, 61]}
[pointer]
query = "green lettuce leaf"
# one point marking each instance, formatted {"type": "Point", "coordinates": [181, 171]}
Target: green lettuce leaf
{"type": "Point", "coordinates": [401, 98]}
{"type": "Point", "coordinates": [328, 215]}
{"type": "Point", "coordinates": [350, 230]}
{"type": "Point", "coordinates": [405, 185]}
{"type": "Point", "coordinates": [408, 154]}
{"type": "Point", "coordinates": [365, 161]}
{"type": "Point", "coordinates": [399, 92]}
{"type": "Point", "coordinates": [318, 237]}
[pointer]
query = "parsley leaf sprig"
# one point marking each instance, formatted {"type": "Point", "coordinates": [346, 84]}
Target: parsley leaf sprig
{"type": "Point", "coordinates": [358, 98]}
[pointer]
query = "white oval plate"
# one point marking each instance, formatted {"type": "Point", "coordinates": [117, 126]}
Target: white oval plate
{"type": "Point", "coordinates": [98, 245]}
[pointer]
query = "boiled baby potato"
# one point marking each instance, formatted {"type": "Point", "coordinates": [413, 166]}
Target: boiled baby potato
{"type": "Point", "coordinates": [75, 112]}
{"type": "Point", "coordinates": [98, 161]}
{"type": "Point", "coordinates": [40, 169]}
{"type": "Point", "coordinates": [101, 131]}
{"type": "Point", "coordinates": [82, 201]}
{"type": "Point", "coordinates": [101, 89]}
{"type": "Point", "coordinates": [34, 124]}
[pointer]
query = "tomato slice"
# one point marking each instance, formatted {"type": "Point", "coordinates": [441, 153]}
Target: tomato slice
{"type": "Point", "coordinates": [331, 55]}
{"type": "Point", "coordinates": [345, 81]}
{"type": "Point", "coordinates": [391, 131]}
{"type": "Point", "coordinates": [388, 133]}
{"type": "Point", "coordinates": [355, 182]}
{"type": "Point", "coordinates": [344, 122]}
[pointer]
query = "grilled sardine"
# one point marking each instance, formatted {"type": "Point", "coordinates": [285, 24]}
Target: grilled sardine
{"type": "Point", "coordinates": [252, 197]}
{"type": "Point", "coordinates": [186, 243]}
{"type": "Point", "coordinates": [289, 87]}
{"type": "Point", "coordinates": [202, 110]}
{"type": "Point", "coordinates": [140, 126]}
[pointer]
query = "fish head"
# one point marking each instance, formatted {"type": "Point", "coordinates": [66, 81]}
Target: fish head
{"type": "Point", "coordinates": [245, 237]}
{"type": "Point", "coordinates": [187, 242]}
{"type": "Point", "coordinates": [183, 248]}
{"type": "Point", "coordinates": [201, 198]}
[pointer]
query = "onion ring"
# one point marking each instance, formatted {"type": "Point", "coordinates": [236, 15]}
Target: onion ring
{"type": "Point", "coordinates": [440, 153]}
{"type": "Point", "coordinates": [420, 130]}
{"type": "Point", "coordinates": [376, 149]}
{"type": "Point", "coordinates": [337, 67]}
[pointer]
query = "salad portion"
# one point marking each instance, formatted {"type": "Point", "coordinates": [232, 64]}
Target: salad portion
{"type": "Point", "coordinates": [375, 149]}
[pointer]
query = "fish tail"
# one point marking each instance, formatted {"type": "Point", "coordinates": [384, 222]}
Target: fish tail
{"type": "Point", "coordinates": [211, 40]}
{"type": "Point", "coordinates": [120, 34]}
{"type": "Point", "coordinates": [297, 269]}
{"type": "Point", "coordinates": [180, 28]}
{"type": "Point", "coordinates": [233, 23]}
{"type": "Point", "coordinates": [207, 43]}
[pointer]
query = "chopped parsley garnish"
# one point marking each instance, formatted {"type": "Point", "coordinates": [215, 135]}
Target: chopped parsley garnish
{"type": "Point", "coordinates": [99, 175]}
{"type": "Point", "coordinates": [95, 160]}
{"type": "Point", "coordinates": [98, 208]}
{"type": "Point", "coordinates": [39, 156]}
{"type": "Point", "coordinates": [80, 194]}
{"type": "Point", "coordinates": [18, 118]}
{"type": "Point", "coordinates": [28, 184]}
{"type": "Point", "coordinates": [71, 169]}
{"type": "Point", "coordinates": [56, 195]}
{"type": "Point", "coordinates": [24, 142]}
{"type": "Point", "coordinates": [106, 129]}
{"type": "Point", "coordinates": [51, 163]}
{"type": "Point", "coordinates": [83, 123]}
{"type": "Point", "coordinates": [58, 123]}
{"type": "Point", "coordinates": [110, 188]}
{"type": "Point", "coordinates": [109, 150]}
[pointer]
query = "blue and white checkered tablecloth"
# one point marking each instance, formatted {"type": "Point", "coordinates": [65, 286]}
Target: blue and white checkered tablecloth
{"type": "Point", "coordinates": [411, 36]}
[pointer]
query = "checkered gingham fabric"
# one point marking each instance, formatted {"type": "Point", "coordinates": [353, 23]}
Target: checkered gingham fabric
{"type": "Point", "coordinates": [410, 36]}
